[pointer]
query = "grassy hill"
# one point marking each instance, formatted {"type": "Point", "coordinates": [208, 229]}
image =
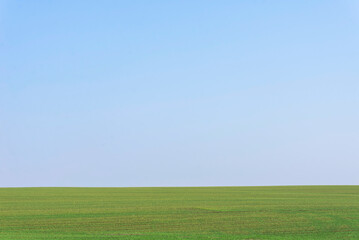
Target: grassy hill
{"type": "Point", "coordinates": [295, 212]}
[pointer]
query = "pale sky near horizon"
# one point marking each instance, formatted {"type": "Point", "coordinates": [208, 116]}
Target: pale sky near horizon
{"type": "Point", "coordinates": [179, 93]}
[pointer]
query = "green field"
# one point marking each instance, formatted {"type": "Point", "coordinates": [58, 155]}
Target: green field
{"type": "Point", "coordinates": [297, 212]}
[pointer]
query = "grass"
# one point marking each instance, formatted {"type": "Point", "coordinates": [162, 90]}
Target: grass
{"type": "Point", "coordinates": [296, 212]}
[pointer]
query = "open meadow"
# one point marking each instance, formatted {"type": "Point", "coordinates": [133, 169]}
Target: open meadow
{"type": "Point", "coordinates": [293, 212]}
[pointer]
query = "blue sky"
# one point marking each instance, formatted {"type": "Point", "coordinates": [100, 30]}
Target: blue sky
{"type": "Point", "coordinates": [179, 93]}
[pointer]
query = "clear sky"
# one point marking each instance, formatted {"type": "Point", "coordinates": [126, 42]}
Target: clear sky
{"type": "Point", "coordinates": [179, 93]}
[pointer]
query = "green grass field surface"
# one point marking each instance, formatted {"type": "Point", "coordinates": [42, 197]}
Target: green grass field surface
{"type": "Point", "coordinates": [293, 212]}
